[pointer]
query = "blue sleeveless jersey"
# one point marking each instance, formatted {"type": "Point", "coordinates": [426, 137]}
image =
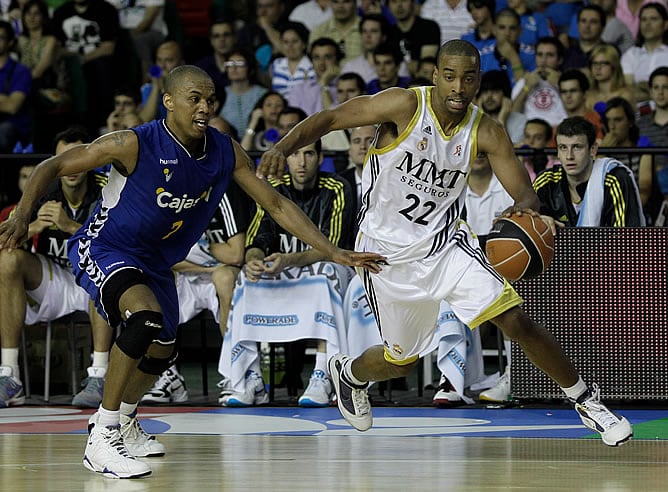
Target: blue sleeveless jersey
{"type": "Point", "coordinates": [150, 219]}
{"type": "Point", "coordinates": [158, 212]}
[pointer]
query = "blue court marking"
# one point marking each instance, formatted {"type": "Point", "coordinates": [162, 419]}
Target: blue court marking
{"type": "Point", "coordinates": [295, 421]}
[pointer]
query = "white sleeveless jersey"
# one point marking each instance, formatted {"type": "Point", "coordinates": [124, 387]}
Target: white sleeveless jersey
{"type": "Point", "coordinates": [413, 190]}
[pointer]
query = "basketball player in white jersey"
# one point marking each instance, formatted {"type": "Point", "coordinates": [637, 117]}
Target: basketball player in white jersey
{"type": "Point", "coordinates": [414, 186]}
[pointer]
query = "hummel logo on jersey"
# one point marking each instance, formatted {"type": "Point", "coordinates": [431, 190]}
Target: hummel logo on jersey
{"type": "Point", "coordinates": [427, 130]}
{"type": "Point", "coordinates": [168, 174]}
{"type": "Point", "coordinates": [164, 162]}
{"type": "Point", "coordinates": [458, 150]}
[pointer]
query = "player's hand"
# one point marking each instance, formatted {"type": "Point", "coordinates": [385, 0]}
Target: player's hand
{"type": "Point", "coordinates": [552, 223]}
{"type": "Point", "coordinates": [368, 261]}
{"type": "Point", "coordinates": [254, 270]}
{"type": "Point", "coordinates": [52, 211]}
{"type": "Point", "coordinates": [275, 263]}
{"type": "Point", "coordinates": [271, 164]}
{"type": "Point", "coordinates": [13, 232]}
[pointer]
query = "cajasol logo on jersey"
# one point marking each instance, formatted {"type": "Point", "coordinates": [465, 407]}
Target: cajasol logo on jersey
{"type": "Point", "coordinates": [165, 199]}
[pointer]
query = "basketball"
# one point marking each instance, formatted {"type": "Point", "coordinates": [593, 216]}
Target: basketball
{"type": "Point", "coordinates": [520, 247]}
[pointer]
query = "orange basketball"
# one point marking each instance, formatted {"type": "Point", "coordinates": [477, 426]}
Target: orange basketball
{"type": "Point", "coordinates": [520, 246]}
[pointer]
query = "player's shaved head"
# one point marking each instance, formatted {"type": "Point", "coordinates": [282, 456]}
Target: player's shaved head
{"type": "Point", "coordinates": [176, 78]}
{"type": "Point", "coordinates": [458, 47]}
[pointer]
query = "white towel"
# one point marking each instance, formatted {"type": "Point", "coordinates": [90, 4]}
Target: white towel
{"type": "Point", "coordinates": [299, 303]}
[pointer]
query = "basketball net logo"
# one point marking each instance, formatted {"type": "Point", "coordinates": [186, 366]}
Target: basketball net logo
{"type": "Point", "coordinates": [458, 150]}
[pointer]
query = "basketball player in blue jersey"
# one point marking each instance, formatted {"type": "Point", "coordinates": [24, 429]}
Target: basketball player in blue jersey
{"type": "Point", "coordinates": [167, 178]}
{"type": "Point", "coordinates": [413, 191]}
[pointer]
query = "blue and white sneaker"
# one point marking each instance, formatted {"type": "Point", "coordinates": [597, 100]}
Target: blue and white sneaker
{"type": "Point", "coordinates": [614, 429]}
{"type": "Point", "coordinates": [11, 389]}
{"type": "Point", "coordinates": [106, 452]}
{"type": "Point", "coordinates": [319, 391]}
{"type": "Point", "coordinates": [254, 394]}
{"type": "Point", "coordinates": [352, 400]}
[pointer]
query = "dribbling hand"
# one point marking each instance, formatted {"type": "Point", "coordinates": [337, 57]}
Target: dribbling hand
{"type": "Point", "coordinates": [550, 222]}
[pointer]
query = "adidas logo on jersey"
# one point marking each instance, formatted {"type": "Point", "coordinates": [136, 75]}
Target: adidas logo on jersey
{"type": "Point", "coordinates": [427, 130]}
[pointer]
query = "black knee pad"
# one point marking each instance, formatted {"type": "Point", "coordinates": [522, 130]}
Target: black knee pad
{"type": "Point", "coordinates": [141, 328]}
{"type": "Point", "coordinates": [114, 287]}
{"type": "Point", "coordinates": [151, 365]}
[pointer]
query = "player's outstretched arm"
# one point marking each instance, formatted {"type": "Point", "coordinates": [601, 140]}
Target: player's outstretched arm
{"type": "Point", "coordinates": [292, 218]}
{"type": "Point", "coordinates": [391, 105]}
{"type": "Point", "coordinates": [119, 148]}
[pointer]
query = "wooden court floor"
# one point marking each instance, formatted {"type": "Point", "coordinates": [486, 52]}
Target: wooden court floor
{"type": "Point", "coordinates": [296, 449]}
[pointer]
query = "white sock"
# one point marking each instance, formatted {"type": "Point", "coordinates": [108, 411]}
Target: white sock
{"type": "Point", "coordinates": [506, 347]}
{"type": "Point", "coordinates": [101, 359]}
{"type": "Point", "coordinates": [128, 409]}
{"type": "Point", "coordinates": [320, 362]}
{"type": "Point", "coordinates": [577, 390]}
{"type": "Point", "coordinates": [10, 358]}
{"type": "Point", "coordinates": [255, 366]}
{"type": "Point", "coordinates": [348, 372]}
{"type": "Point", "coordinates": [108, 417]}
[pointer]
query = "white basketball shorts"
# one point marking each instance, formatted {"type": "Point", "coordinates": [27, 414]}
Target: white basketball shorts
{"type": "Point", "coordinates": [405, 297]}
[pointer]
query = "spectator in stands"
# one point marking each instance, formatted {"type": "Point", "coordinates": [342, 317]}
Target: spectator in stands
{"type": "Point", "coordinates": [361, 139]}
{"type": "Point", "coordinates": [586, 191]}
{"type": "Point", "coordinates": [534, 24]}
{"type": "Point", "coordinates": [206, 279]}
{"type": "Point", "coordinates": [650, 53]}
{"type": "Point", "coordinates": [15, 88]}
{"type": "Point", "coordinates": [39, 287]}
{"type": "Point", "coordinates": [288, 118]}
{"type": "Point", "coordinates": [622, 131]}
{"type": "Point", "coordinates": [168, 56]}
{"type": "Point", "coordinates": [452, 17]}
{"type": "Point", "coordinates": [320, 92]}
{"type": "Point", "coordinates": [482, 34]}
{"type": "Point", "coordinates": [144, 20]}
{"type": "Point", "coordinates": [311, 13]}
{"type": "Point", "coordinates": [508, 54]}
{"type": "Point", "coordinates": [89, 30]}
{"type": "Point", "coordinates": [418, 37]}
{"type": "Point", "coordinates": [387, 58]}
{"type": "Point", "coordinates": [426, 67]}
{"type": "Point", "coordinates": [537, 93]}
{"type": "Point", "coordinates": [486, 200]}
{"type": "Point", "coordinates": [261, 132]}
{"type": "Point", "coordinates": [573, 86]}
{"type": "Point", "coordinates": [537, 136]}
{"type": "Point", "coordinates": [607, 77]}
{"type": "Point", "coordinates": [375, 30]}
{"type": "Point", "coordinates": [222, 37]}
{"type": "Point", "coordinates": [277, 260]}
{"type": "Point", "coordinates": [25, 171]}
{"type": "Point", "coordinates": [615, 32]}
{"type": "Point", "coordinates": [124, 115]}
{"type": "Point", "coordinates": [349, 85]}
{"type": "Point", "coordinates": [217, 121]}
{"type": "Point", "coordinates": [628, 11]}
{"type": "Point", "coordinates": [494, 99]}
{"type": "Point", "coordinates": [263, 35]}
{"type": "Point", "coordinates": [654, 125]}
{"type": "Point", "coordinates": [343, 28]}
{"type": "Point", "coordinates": [295, 66]}
{"type": "Point", "coordinates": [243, 92]}
{"type": "Point", "coordinates": [578, 52]}
{"type": "Point", "coordinates": [37, 46]}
